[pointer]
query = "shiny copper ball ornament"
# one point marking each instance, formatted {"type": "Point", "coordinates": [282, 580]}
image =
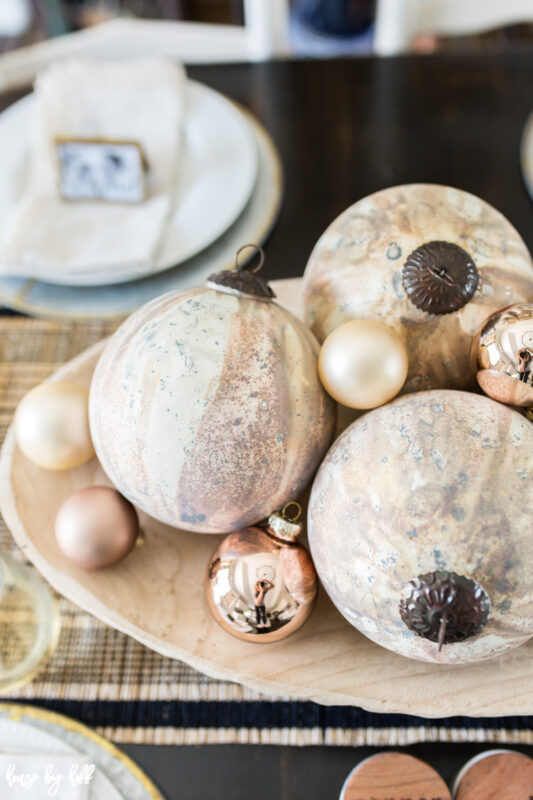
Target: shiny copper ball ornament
{"type": "Point", "coordinates": [363, 364]}
{"type": "Point", "coordinates": [261, 584]}
{"type": "Point", "coordinates": [96, 527]}
{"type": "Point", "coordinates": [502, 355]}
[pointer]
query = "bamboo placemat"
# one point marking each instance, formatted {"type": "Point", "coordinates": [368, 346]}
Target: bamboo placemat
{"type": "Point", "coordinates": [131, 694]}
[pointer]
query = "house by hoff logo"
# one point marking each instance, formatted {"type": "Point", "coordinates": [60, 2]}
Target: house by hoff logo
{"type": "Point", "coordinates": [53, 780]}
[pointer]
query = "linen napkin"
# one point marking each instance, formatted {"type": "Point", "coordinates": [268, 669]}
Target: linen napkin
{"type": "Point", "coordinates": [140, 100]}
{"type": "Point", "coordinates": [36, 776]}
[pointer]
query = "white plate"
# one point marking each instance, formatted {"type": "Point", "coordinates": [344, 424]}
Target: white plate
{"type": "Point", "coordinates": [219, 165]}
{"type": "Point", "coordinates": [28, 729]}
{"type": "Point", "coordinates": [82, 303]}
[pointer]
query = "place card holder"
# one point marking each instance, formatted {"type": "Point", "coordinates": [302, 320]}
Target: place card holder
{"type": "Point", "coordinates": [495, 775]}
{"type": "Point", "coordinates": [394, 776]}
{"type": "Point", "coordinates": [102, 170]}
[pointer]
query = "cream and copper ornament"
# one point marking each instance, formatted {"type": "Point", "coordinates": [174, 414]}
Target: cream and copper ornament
{"type": "Point", "coordinates": [261, 584]}
{"type": "Point", "coordinates": [206, 407]}
{"type": "Point", "coordinates": [431, 262]}
{"type": "Point", "coordinates": [52, 425]}
{"type": "Point", "coordinates": [502, 355]}
{"type": "Point", "coordinates": [96, 527]}
{"type": "Point", "coordinates": [420, 523]}
{"type": "Point", "coordinates": [363, 364]}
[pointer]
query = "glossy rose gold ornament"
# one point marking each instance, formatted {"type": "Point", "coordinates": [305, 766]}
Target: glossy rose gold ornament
{"type": "Point", "coordinates": [502, 355]}
{"type": "Point", "coordinates": [96, 527]}
{"type": "Point", "coordinates": [261, 584]}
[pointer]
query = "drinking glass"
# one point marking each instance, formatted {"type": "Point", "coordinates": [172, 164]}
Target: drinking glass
{"type": "Point", "coordinates": [29, 622]}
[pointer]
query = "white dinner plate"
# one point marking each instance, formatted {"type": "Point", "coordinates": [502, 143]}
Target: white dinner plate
{"type": "Point", "coordinates": [219, 163]}
{"type": "Point", "coordinates": [114, 302]}
{"type": "Point", "coordinates": [27, 729]}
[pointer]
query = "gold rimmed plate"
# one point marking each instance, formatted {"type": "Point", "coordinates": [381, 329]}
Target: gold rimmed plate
{"type": "Point", "coordinates": [28, 729]}
{"type": "Point", "coordinates": [116, 301]}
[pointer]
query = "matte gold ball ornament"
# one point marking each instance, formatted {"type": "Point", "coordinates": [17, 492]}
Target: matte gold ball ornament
{"type": "Point", "coordinates": [363, 364]}
{"type": "Point", "coordinates": [502, 355]}
{"type": "Point", "coordinates": [261, 584]}
{"type": "Point", "coordinates": [96, 527]}
{"type": "Point", "coordinates": [52, 425]}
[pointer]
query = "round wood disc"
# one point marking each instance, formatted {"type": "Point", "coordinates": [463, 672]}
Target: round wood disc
{"type": "Point", "coordinates": [394, 776]}
{"type": "Point", "coordinates": [496, 776]}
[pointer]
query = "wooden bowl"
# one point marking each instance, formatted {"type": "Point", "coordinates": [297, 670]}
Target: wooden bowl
{"type": "Point", "coordinates": [156, 596]}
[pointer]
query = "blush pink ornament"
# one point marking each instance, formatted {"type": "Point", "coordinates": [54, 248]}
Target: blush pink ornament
{"type": "Point", "coordinates": [96, 527]}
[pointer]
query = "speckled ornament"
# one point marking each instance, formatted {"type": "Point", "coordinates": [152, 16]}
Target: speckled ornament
{"type": "Point", "coordinates": [52, 425]}
{"type": "Point", "coordinates": [96, 527]}
{"type": "Point", "coordinates": [206, 407]}
{"type": "Point", "coordinates": [430, 261]}
{"type": "Point", "coordinates": [420, 524]}
{"type": "Point", "coordinates": [502, 355]}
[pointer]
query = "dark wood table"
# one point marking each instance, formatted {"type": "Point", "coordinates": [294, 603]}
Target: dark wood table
{"type": "Point", "coordinates": [344, 129]}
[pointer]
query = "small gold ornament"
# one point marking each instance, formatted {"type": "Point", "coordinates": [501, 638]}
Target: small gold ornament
{"type": "Point", "coordinates": [363, 364]}
{"type": "Point", "coordinates": [502, 355]}
{"type": "Point", "coordinates": [52, 425]}
{"type": "Point", "coordinates": [261, 584]}
{"type": "Point", "coordinates": [96, 527]}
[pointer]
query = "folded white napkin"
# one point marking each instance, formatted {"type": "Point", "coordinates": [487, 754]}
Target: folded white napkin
{"type": "Point", "coordinates": [140, 100]}
{"type": "Point", "coordinates": [36, 776]}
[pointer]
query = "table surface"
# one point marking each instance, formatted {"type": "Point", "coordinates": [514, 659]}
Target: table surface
{"type": "Point", "coordinates": [345, 129]}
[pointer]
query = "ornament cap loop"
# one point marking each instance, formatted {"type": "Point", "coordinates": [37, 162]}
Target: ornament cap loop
{"type": "Point", "coordinates": [285, 526]}
{"type": "Point", "coordinates": [296, 514]}
{"type": "Point", "coordinates": [444, 607]}
{"type": "Point", "coordinates": [249, 265]}
{"type": "Point", "coordinates": [243, 280]}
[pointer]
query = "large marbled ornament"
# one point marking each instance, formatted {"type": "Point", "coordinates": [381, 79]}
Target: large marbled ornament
{"type": "Point", "coordinates": [430, 261]}
{"type": "Point", "coordinates": [420, 524]}
{"type": "Point", "coordinates": [206, 408]}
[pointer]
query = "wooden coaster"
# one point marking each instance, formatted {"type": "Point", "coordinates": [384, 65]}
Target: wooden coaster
{"type": "Point", "coordinates": [496, 775]}
{"type": "Point", "coordinates": [394, 776]}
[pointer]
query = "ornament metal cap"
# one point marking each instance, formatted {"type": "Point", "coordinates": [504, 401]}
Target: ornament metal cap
{"type": "Point", "coordinates": [444, 607]}
{"type": "Point", "coordinates": [285, 525]}
{"type": "Point", "coordinates": [439, 277]}
{"type": "Point", "coordinates": [243, 280]}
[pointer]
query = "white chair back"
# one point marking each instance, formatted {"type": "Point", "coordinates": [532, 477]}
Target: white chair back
{"type": "Point", "coordinates": [399, 21]}
{"type": "Point", "coordinates": [15, 18]}
{"type": "Point", "coordinates": [264, 35]}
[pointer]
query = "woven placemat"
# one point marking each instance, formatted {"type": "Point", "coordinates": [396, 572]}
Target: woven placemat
{"type": "Point", "coordinates": [131, 694]}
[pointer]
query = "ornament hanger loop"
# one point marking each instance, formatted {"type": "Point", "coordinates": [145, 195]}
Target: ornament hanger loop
{"type": "Point", "coordinates": [249, 265]}
{"type": "Point", "coordinates": [297, 513]}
